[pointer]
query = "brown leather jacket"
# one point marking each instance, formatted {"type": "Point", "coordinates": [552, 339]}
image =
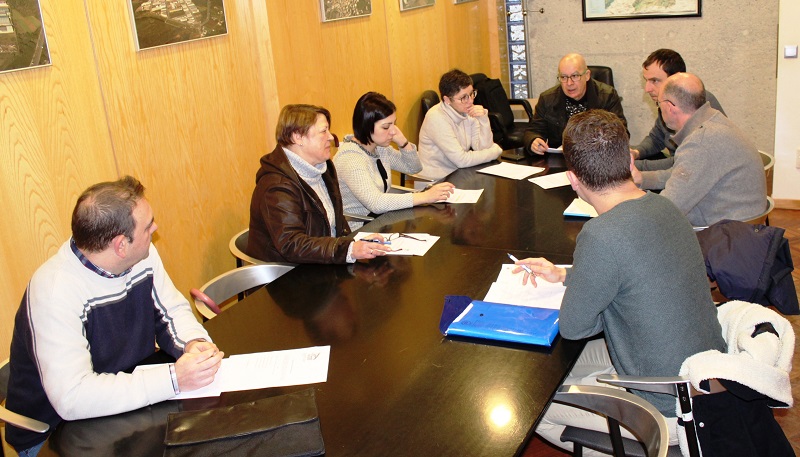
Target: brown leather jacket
{"type": "Point", "coordinates": [287, 220]}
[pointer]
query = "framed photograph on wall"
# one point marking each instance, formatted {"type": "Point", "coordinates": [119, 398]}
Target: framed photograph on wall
{"type": "Point", "coordinates": [159, 23]}
{"type": "Point", "coordinates": [463, 1]}
{"type": "Point", "coordinates": [23, 42]}
{"type": "Point", "coordinates": [334, 10]}
{"type": "Point", "coordinates": [411, 4]}
{"type": "Point", "coordinates": [602, 10]}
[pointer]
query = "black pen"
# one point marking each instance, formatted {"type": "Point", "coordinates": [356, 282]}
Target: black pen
{"type": "Point", "coordinates": [376, 241]}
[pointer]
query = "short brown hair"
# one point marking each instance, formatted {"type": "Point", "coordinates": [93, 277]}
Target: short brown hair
{"type": "Point", "coordinates": [297, 119]}
{"type": "Point", "coordinates": [105, 211]}
{"type": "Point", "coordinates": [596, 149]}
{"type": "Point", "coordinates": [452, 82]}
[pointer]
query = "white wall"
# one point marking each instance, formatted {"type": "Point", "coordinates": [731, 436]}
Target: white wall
{"type": "Point", "coordinates": [731, 47]}
{"type": "Point", "coordinates": [787, 115]}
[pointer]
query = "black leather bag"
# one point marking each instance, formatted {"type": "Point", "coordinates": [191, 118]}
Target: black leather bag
{"type": "Point", "coordinates": [283, 426]}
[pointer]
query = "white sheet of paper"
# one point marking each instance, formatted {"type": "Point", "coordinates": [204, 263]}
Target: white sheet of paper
{"type": "Point", "coordinates": [580, 208]}
{"type": "Point", "coordinates": [509, 289]}
{"type": "Point", "coordinates": [558, 150]}
{"type": "Point", "coordinates": [550, 181]}
{"type": "Point", "coordinates": [278, 368]}
{"type": "Point", "coordinates": [404, 245]}
{"type": "Point", "coordinates": [463, 196]}
{"type": "Point", "coordinates": [264, 369]}
{"type": "Point", "coordinates": [511, 170]}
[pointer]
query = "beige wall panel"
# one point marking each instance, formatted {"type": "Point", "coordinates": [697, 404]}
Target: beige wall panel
{"type": "Point", "coordinates": [472, 37]}
{"type": "Point", "coordinates": [418, 44]}
{"type": "Point", "coordinates": [188, 120]}
{"type": "Point", "coordinates": [53, 144]}
{"type": "Point", "coordinates": [329, 64]}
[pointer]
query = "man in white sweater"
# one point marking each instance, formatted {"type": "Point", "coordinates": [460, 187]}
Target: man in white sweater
{"type": "Point", "coordinates": [97, 308]}
{"type": "Point", "coordinates": [455, 133]}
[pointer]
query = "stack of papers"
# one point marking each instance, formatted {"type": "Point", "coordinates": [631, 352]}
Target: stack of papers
{"type": "Point", "coordinates": [550, 181]}
{"type": "Point", "coordinates": [264, 369]}
{"type": "Point", "coordinates": [405, 243]}
{"type": "Point", "coordinates": [511, 170]}
{"type": "Point", "coordinates": [558, 150]}
{"type": "Point", "coordinates": [580, 208]}
{"type": "Point", "coordinates": [509, 289]}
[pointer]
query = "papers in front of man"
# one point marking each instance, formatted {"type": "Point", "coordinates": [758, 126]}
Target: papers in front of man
{"type": "Point", "coordinates": [550, 181]}
{"type": "Point", "coordinates": [405, 243]}
{"type": "Point", "coordinates": [508, 289]}
{"type": "Point", "coordinates": [558, 150]}
{"type": "Point", "coordinates": [511, 170]}
{"type": "Point", "coordinates": [579, 208]}
{"type": "Point", "coordinates": [463, 196]}
{"type": "Point", "coordinates": [264, 369]}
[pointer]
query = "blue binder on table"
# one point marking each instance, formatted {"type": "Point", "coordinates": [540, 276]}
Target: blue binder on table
{"type": "Point", "coordinates": [463, 316]}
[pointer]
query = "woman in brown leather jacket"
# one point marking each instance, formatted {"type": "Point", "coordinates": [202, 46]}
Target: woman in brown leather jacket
{"type": "Point", "coordinates": [296, 211]}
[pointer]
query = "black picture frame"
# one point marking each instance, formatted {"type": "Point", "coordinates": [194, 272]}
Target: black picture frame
{"type": "Point", "coordinates": [597, 10]}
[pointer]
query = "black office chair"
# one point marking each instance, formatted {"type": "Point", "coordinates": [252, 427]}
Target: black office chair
{"type": "Point", "coordinates": [428, 100]}
{"type": "Point", "coordinates": [602, 74]}
{"type": "Point", "coordinates": [491, 95]}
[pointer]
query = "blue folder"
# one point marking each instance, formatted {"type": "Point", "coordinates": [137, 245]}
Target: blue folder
{"type": "Point", "coordinates": [463, 316]}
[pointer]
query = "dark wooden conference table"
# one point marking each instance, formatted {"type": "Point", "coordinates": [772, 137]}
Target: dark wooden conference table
{"type": "Point", "coordinates": [395, 385]}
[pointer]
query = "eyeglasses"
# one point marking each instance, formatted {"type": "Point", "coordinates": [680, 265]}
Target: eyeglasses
{"type": "Point", "coordinates": [658, 103]}
{"type": "Point", "coordinates": [395, 236]}
{"type": "Point", "coordinates": [573, 77]}
{"type": "Point", "coordinates": [465, 97]}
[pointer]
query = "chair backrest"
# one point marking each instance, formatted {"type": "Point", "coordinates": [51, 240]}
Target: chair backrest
{"type": "Point", "coordinates": [602, 74]}
{"type": "Point", "coordinates": [636, 414]}
{"type": "Point", "coordinates": [493, 97]}
{"type": "Point", "coordinates": [10, 417]}
{"type": "Point", "coordinates": [763, 217]}
{"type": "Point", "coordinates": [769, 168]}
{"type": "Point", "coordinates": [231, 283]}
{"type": "Point", "coordinates": [237, 246]}
{"type": "Point", "coordinates": [428, 100]}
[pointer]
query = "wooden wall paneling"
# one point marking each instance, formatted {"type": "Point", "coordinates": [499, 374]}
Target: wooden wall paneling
{"type": "Point", "coordinates": [188, 120]}
{"type": "Point", "coordinates": [53, 144]}
{"type": "Point", "coordinates": [472, 37]}
{"type": "Point", "coordinates": [418, 47]}
{"type": "Point", "coordinates": [329, 64]}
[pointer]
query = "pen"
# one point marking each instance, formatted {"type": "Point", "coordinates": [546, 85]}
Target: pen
{"type": "Point", "coordinates": [524, 267]}
{"type": "Point", "coordinates": [377, 241]}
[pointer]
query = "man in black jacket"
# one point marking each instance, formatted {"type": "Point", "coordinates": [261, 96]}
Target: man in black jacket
{"type": "Point", "coordinates": [575, 93]}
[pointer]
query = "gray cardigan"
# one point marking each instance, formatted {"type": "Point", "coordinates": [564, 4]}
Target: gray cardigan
{"type": "Point", "coordinates": [718, 173]}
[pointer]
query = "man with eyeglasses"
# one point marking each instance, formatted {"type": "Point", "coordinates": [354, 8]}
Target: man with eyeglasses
{"type": "Point", "coordinates": [660, 65]}
{"type": "Point", "coordinates": [717, 172]}
{"type": "Point", "coordinates": [576, 92]}
{"type": "Point", "coordinates": [456, 132]}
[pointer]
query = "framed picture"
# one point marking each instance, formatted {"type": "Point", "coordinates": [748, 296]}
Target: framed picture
{"type": "Point", "coordinates": [463, 1]}
{"type": "Point", "coordinates": [334, 10]}
{"type": "Point", "coordinates": [23, 42]}
{"type": "Point", "coordinates": [159, 23]}
{"type": "Point", "coordinates": [602, 10]}
{"type": "Point", "coordinates": [411, 4]}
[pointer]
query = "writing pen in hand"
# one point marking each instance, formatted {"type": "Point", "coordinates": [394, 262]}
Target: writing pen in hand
{"type": "Point", "coordinates": [524, 267]}
{"type": "Point", "coordinates": [376, 241]}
